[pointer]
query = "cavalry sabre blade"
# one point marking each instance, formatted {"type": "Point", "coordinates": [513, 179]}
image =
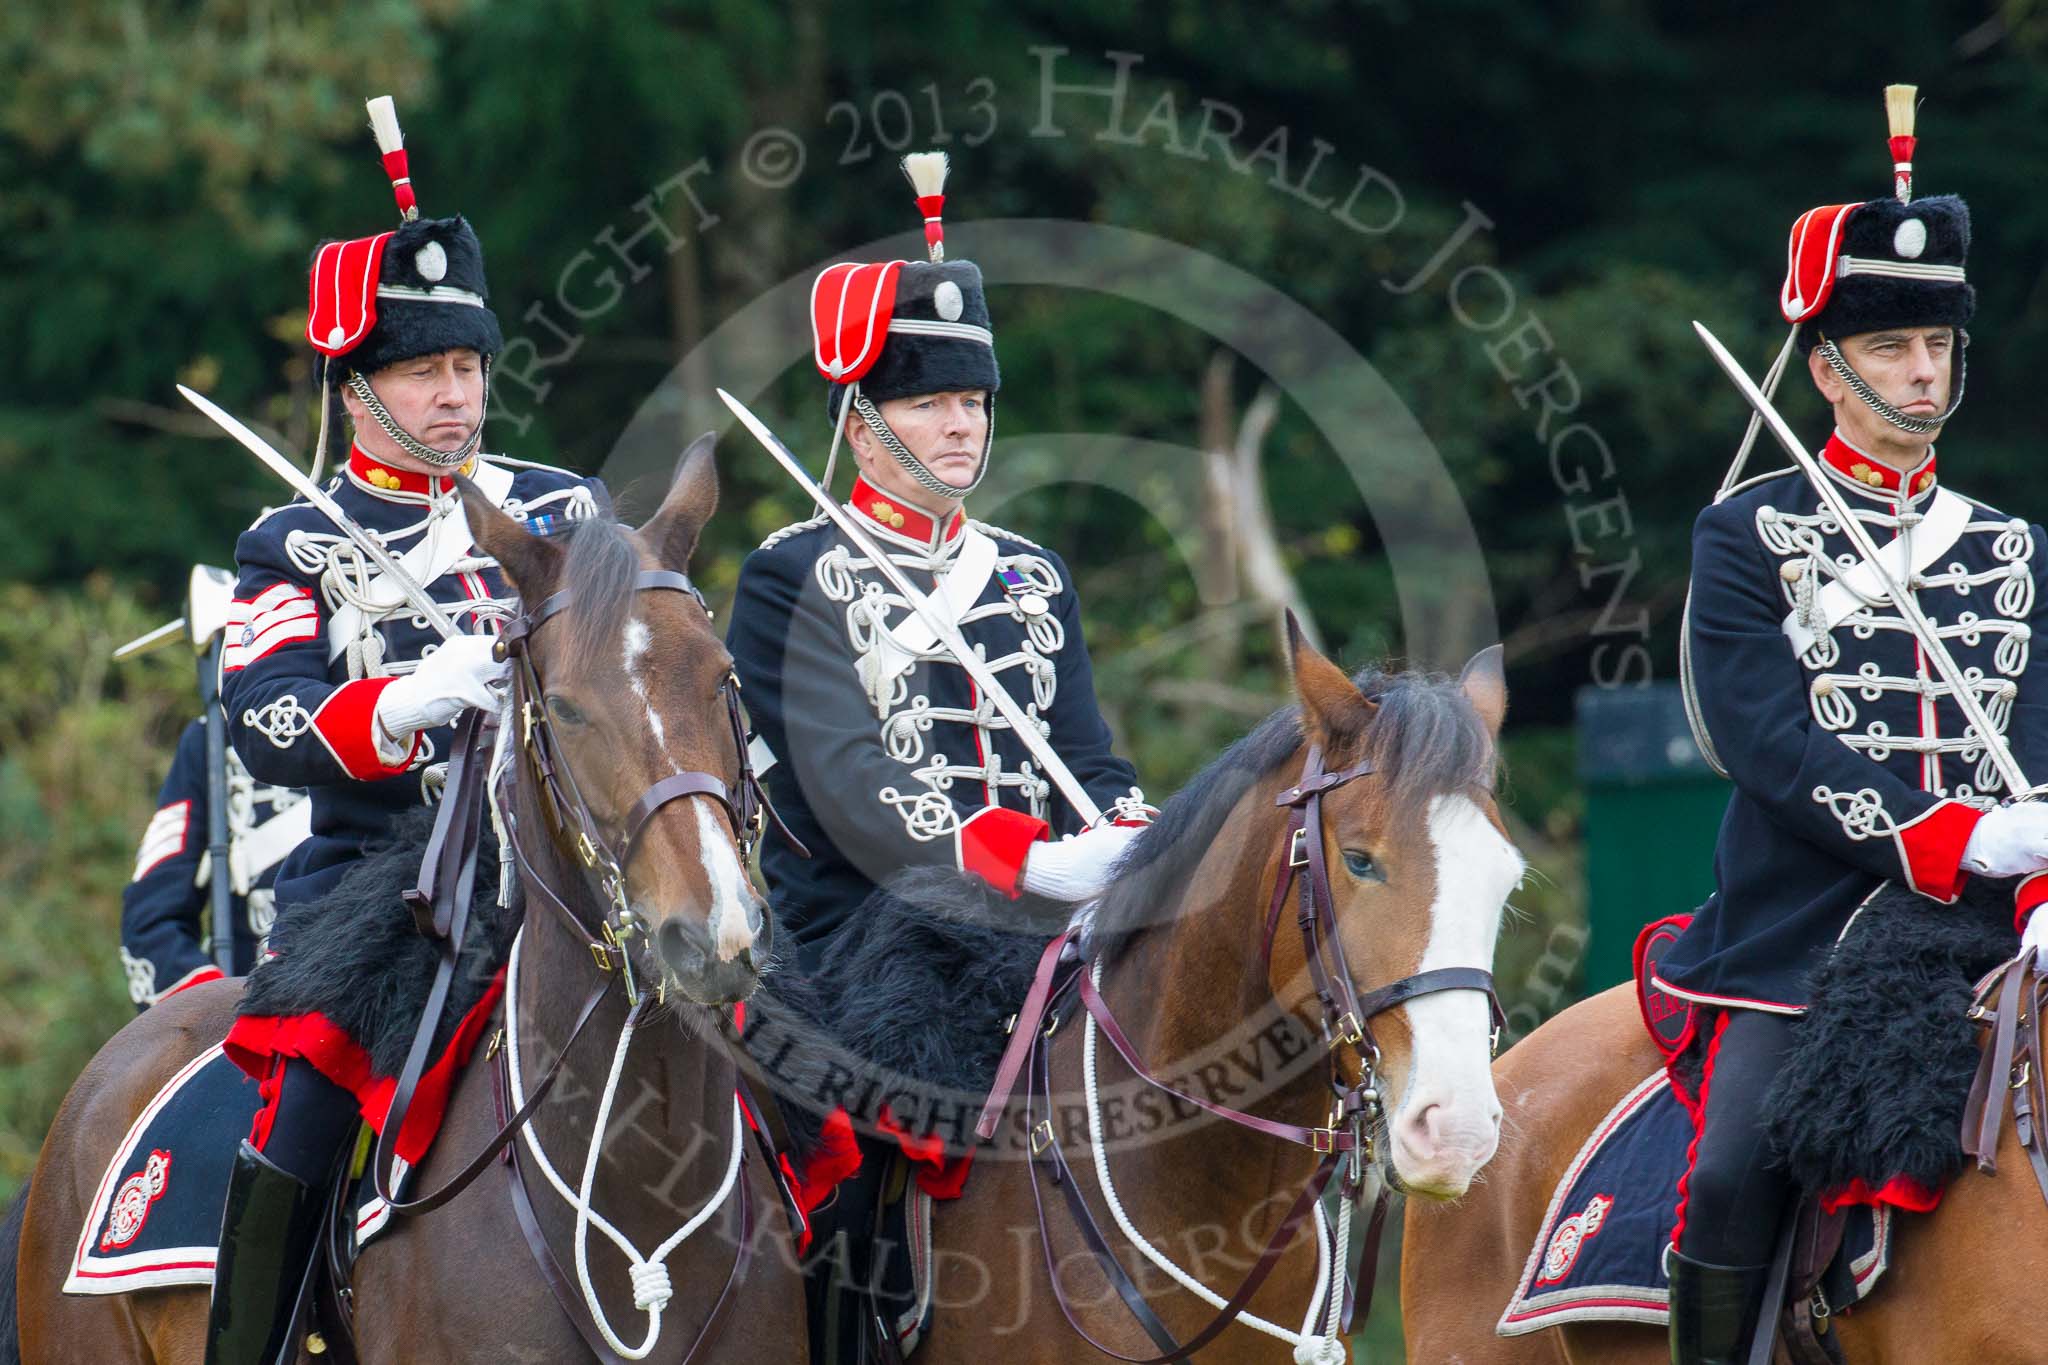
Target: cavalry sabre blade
{"type": "Point", "coordinates": [1909, 608]}
{"type": "Point", "coordinates": [372, 548]}
{"type": "Point", "coordinates": [947, 632]}
{"type": "Point", "coordinates": [142, 644]}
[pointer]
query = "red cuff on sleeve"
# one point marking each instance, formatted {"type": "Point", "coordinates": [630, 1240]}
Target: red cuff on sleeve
{"type": "Point", "coordinates": [993, 843]}
{"type": "Point", "coordinates": [344, 723]}
{"type": "Point", "coordinates": [1933, 846]}
{"type": "Point", "coordinates": [2031, 892]}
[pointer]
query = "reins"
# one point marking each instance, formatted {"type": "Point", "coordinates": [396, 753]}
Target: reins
{"type": "Point", "coordinates": [441, 900]}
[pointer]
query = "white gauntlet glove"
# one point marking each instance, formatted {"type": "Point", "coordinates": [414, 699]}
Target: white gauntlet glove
{"type": "Point", "coordinates": [455, 677]}
{"type": "Point", "coordinates": [1078, 867]}
{"type": "Point", "coordinates": [2035, 935]}
{"type": "Point", "coordinates": [2009, 841]}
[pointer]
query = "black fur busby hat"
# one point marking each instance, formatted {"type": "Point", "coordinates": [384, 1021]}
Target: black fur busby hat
{"type": "Point", "coordinates": [1891, 262]}
{"type": "Point", "coordinates": [899, 328]}
{"type": "Point", "coordinates": [945, 295]}
{"type": "Point", "coordinates": [413, 291]}
{"type": "Point", "coordinates": [1897, 265]}
{"type": "Point", "coordinates": [431, 296]}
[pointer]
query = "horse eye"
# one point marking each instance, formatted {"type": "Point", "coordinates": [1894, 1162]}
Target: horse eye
{"type": "Point", "coordinates": [564, 710]}
{"type": "Point", "coordinates": [1360, 865]}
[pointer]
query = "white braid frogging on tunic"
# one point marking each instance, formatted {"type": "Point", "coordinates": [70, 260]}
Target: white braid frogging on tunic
{"type": "Point", "coordinates": [651, 1288]}
{"type": "Point", "coordinates": [1310, 1348]}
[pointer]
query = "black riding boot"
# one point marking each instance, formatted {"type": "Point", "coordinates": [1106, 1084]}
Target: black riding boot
{"type": "Point", "coordinates": [266, 1241]}
{"type": "Point", "coordinates": [1713, 1310]}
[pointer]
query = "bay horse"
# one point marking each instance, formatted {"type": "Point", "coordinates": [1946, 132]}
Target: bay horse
{"type": "Point", "coordinates": [1957, 1287]}
{"type": "Point", "coordinates": [1372, 798]}
{"type": "Point", "coordinates": [628, 686]}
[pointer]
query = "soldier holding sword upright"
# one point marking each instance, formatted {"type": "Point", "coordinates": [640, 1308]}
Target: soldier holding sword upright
{"type": "Point", "coordinates": [363, 625]}
{"type": "Point", "coordinates": [1875, 698]}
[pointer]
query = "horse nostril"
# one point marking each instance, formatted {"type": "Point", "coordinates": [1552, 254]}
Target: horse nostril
{"type": "Point", "coordinates": [672, 940]}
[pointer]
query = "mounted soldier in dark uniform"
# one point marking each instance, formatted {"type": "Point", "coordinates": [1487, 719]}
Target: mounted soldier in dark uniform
{"type": "Point", "coordinates": [885, 754]}
{"type": "Point", "coordinates": [164, 921]}
{"type": "Point", "coordinates": [334, 681]}
{"type": "Point", "coordinates": [181, 925]}
{"type": "Point", "coordinates": [1852, 759]}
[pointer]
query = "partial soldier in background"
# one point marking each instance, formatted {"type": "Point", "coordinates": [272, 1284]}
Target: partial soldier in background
{"type": "Point", "coordinates": [166, 933]}
{"type": "Point", "coordinates": [336, 678]}
{"type": "Point", "coordinates": [1853, 761]}
{"type": "Point", "coordinates": [180, 925]}
{"type": "Point", "coordinates": [879, 751]}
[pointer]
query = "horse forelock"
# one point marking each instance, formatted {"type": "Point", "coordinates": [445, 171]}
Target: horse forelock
{"type": "Point", "coordinates": [1423, 740]}
{"type": "Point", "coordinates": [599, 573]}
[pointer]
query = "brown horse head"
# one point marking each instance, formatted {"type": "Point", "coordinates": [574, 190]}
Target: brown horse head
{"type": "Point", "coordinates": [1420, 870]}
{"type": "Point", "coordinates": [633, 684]}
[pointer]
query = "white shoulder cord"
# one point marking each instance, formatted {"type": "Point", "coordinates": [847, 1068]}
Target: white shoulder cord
{"type": "Point", "coordinates": [1309, 1348]}
{"type": "Point", "coordinates": [651, 1288]}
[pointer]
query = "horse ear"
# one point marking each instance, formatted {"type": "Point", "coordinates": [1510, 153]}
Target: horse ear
{"type": "Point", "coordinates": [532, 562]}
{"type": "Point", "coordinates": [692, 497]}
{"type": "Point", "coordinates": [1485, 684]}
{"type": "Point", "coordinates": [1333, 711]}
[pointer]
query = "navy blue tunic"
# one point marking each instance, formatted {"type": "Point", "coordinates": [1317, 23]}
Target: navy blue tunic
{"type": "Point", "coordinates": [1849, 755]}
{"type": "Point", "coordinates": [885, 755]}
{"type": "Point", "coordinates": [315, 637]}
{"type": "Point", "coordinates": [166, 910]}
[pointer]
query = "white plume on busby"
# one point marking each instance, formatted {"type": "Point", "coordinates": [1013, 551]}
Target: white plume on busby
{"type": "Point", "coordinates": [893, 329]}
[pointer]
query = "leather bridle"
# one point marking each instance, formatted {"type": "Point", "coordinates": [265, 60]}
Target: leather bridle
{"type": "Point", "coordinates": [1348, 1139]}
{"type": "Point", "coordinates": [440, 903]}
{"type": "Point", "coordinates": [569, 819]}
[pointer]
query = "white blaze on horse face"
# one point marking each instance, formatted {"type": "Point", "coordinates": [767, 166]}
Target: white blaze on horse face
{"type": "Point", "coordinates": [637, 641]}
{"type": "Point", "coordinates": [729, 922]}
{"type": "Point", "coordinates": [1448, 1123]}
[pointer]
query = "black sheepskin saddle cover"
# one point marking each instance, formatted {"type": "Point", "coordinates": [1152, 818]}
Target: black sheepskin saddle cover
{"type": "Point", "coordinates": [355, 955]}
{"type": "Point", "coordinates": [1875, 1085]}
{"type": "Point", "coordinates": [906, 1011]}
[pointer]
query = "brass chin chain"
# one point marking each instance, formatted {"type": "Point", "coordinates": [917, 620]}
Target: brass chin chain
{"type": "Point", "coordinates": [412, 445]}
{"type": "Point", "coordinates": [913, 466]}
{"type": "Point", "coordinates": [1918, 426]}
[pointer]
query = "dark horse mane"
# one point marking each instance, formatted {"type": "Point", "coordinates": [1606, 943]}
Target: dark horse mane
{"type": "Point", "coordinates": [353, 954]}
{"type": "Point", "coordinates": [934, 943]}
{"type": "Point", "coordinates": [1425, 738]}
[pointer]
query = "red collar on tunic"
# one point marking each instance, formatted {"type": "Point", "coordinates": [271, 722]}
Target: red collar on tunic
{"type": "Point", "coordinates": [890, 513]}
{"type": "Point", "coordinates": [375, 476]}
{"type": "Point", "coordinates": [1869, 475]}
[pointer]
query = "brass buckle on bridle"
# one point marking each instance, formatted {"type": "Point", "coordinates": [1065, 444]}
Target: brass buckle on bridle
{"type": "Point", "coordinates": [1297, 852]}
{"type": "Point", "coordinates": [1041, 1136]}
{"type": "Point", "coordinates": [1347, 1032]}
{"type": "Point", "coordinates": [1322, 1141]}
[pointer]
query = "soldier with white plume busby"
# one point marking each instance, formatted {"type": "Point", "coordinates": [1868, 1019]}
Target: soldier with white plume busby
{"type": "Point", "coordinates": [336, 678]}
{"type": "Point", "coordinates": [886, 754]}
{"type": "Point", "coordinates": [1857, 750]}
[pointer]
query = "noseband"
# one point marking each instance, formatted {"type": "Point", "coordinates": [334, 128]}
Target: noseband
{"type": "Point", "coordinates": [568, 814]}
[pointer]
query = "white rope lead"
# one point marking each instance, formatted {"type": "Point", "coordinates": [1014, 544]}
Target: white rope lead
{"type": "Point", "coordinates": [1310, 1348]}
{"type": "Point", "coordinates": [651, 1287]}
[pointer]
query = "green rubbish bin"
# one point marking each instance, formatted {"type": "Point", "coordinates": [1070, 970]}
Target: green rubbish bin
{"type": "Point", "coordinates": [1653, 809]}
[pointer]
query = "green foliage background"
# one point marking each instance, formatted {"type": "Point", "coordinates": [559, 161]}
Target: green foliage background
{"type": "Point", "coordinates": [166, 169]}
